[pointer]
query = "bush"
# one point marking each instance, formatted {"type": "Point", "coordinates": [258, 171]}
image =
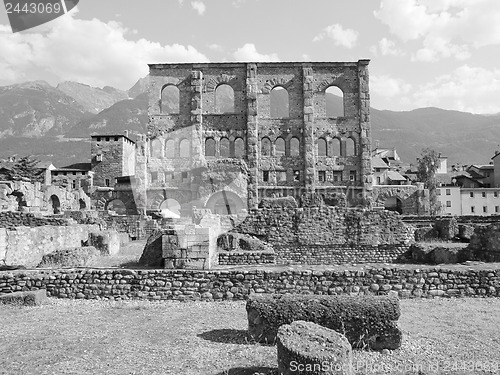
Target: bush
{"type": "Point", "coordinates": [366, 321]}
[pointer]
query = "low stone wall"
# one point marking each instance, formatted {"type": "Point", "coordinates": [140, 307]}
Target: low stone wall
{"type": "Point", "coordinates": [238, 284]}
{"type": "Point", "coordinates": [26, 246]}
{"type": "Point", "coordinates": [12, 219]}
{"type": "Point", "coordinates": [246, 257]}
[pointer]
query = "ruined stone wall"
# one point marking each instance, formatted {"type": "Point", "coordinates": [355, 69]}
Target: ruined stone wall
{"type": "Point", "coordinates": [330, 235]}
{"type": "Point", "coordinates": [414, 199]}
{"type": "Point", "coordinates": [246, 257]}
{"type": "Point", "coordinates": [425, 282]}
{"type": "Point", "coordinates": [36, 197]}
{"type": "Point", "coordinates": [111, 157]}
{"type": "Point", "coordinates": [26, 246]}
{"type": "Point", "coordinates": [161, 156]}
{"type": "Point", "coordinates": [10, 220]}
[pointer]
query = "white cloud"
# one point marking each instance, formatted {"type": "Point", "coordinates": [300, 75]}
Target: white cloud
{"type": "Point", "coordinates": [340, 36]}
{"type": "Point", "coordinates": [386, 47]}
{"type": "Point", "coordinates": [446, 28]}
{"type": "Point", "coordinates": [88, 51]}
{"type": "Point", "coordinates": [249, 53]}
{"type": "Point", "coordinates": [216, 47]}
{"type": "Point", "coordinates": [199, 7]}
{"type": "Point", "coordinates": [388, 87]}
{"type": "Point", "coordinates": [469, 89]}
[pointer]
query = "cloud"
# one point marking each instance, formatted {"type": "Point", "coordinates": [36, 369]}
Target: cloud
{"type": "Point", "coordinates": [467, 88]}
{"type": "Point", "coordinates": [340, 36]}
{"type": "Point", "coordinates": [88, 51]}
{"type": "Point", "coordinates": [199, 7]}
{"type": "Point", "coordinates": [216, 47]}
{"type": "Point", "coordinates": [386, 47]}
{"type": "Point", "coordinates": [249, 53]}
{"type": "Point", "coordinates": [446, 28]}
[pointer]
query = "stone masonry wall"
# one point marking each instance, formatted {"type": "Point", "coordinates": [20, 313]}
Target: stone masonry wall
{"type": "Point", "coordinates": [26, 246]}
{"type": "Point", "coordinates": [239, 284]}
{"type": "Point", "coordinates": [330, 235]}
{"type": "Point", "coordinates": [246, 257]}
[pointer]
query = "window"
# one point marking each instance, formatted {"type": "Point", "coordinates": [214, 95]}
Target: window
{"type": "Point", "coordinates": [239, 147]}
{"type": "Point", "coordinates": [279, 147]}
{"type": "Point", "coordinates": [73, 184]}
{"type": "Point", "coordinates": [224, 99]}
{"type": "Point", "coordinates": [296, 175]}
{"type": "Point", "coordinates": [294, 147]}
{"type": "Point", "coordinates": [155, 148]}
{"type": "Point", "coordinates": [448, 191]}
{"type": "Point", "coordinates": [472, 209]}
{"type": "Point", "coordinates": [448, 203]}
{"type": "Point", "coordinates": [352, 176]}
{"type": "Point", "coordinates": [495, 194]}
{"type": "Point", "coordinates": [497, 209]}
{"type": "Point", "coordinates": [485, 209]}
{"type": "Point", "coordinates": [74, 173]}
{"type": "Point", "coordinates": [282, 176]}
{"type": "Point", "coordinates": [321, 176]}
{"type": "Point", "coordinates": [98, 139]}
{"type": "Point", "coordinates": [116, 139]}
{"type": "Point", "coordinates": [265, 176]}
{"type": "Point", "coordinates": [438, 191]}
{"type": "Point", "coordinates": [107, 139]}
{"type": "Point", "coordinates": [184, 175]}
{"type": "Point", "coordinates": [279, 104]}
{"type": "Point", "coordinates": [184, 151]}
{"type": "Point", "coordinates": [335, 147]}
{"type": "Point", "coordinates": [224, 147]}
{"type": "Point", "coordinates": [106, 181]}
{"type": "Point", "coordinates": [483, 194]}
{"type": "Point", "coordinates": [322, 151]}
{"type": "Point", "coordinates": [350, 147]}
{"type": "Point", "coordinates": [265, 145]}
{"type": "Point", "coordinates": [379, 180]}
{"type": "Point", "coordinates": [337, 176]}
{"type": "Point", "coordinates": [334, 102]}
{"type": "Point", "coordinates": [471, 194]}
{"type": "Point", "coordinates": [169, 100]}
{"type": "Point", "coordinates": [154, 176]}
{"type": "Point", "coordinates": [209, 147]}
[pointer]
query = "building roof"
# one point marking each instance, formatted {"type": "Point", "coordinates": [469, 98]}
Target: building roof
{"type": "Point", "coordinates": [110, 136]}
{"type": "Point", "coordinates": [79, 166]}
{"type": "Point", "coordinates": [395, 176]}
{"type": "Point", "coordinates": [377, 162]}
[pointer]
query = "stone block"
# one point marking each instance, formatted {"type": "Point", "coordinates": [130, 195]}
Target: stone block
{"type": "Point", "coordinates": [72, 257]}
{"type": "Point", "coordinates": [308, 348]}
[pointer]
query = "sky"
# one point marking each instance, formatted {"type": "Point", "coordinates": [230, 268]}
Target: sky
{"type": "Point", "coordinates": [424, 53]}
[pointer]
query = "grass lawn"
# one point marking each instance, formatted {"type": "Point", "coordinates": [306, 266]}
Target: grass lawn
{"type": "Point", "coordinates": [193, 338]}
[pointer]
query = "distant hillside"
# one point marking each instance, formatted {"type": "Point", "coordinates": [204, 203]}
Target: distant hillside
{"type": "Point", "coordinates": [36, 109]}
{"type": "Point", "coordinates": [93, 99]}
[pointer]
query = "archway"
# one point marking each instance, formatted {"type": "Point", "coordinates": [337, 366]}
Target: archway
{"type": "Point", "coordinates": [393, 204]}
{"type": "Point", "coordinates": [56, 204]}
{"type": "Point", "coordinates": [170, 208]}
{"type": "Point", "coordinates": [21, 201]}
{"type": "Point", "coordinates": [82, 204]}
{"type": "Point", "coordinates": [225, 203]}
{"type": "Point", "coordinates": [117, 206]}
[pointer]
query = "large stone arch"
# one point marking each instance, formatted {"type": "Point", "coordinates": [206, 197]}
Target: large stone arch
{"type": "Point", "coordinates": [225, 202]}
{"type": "Point", "coordinates": [406, 194]}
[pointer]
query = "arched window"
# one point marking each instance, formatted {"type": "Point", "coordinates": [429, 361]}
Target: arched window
{"type": "Point", "coordinates": [117, 206]}
{"type": "Point", "coordinates": [184, 149]}
{"type": "Point", "coordinates": [294, 147]}
{"type": "Point", "coordinates": [170, 100]}
{"type": "Point", "coordinates": [279, 103]}
{"type": "Point", "coordinates": [224, 99]}
{"type": "Point", "coordinates": [224, 147]}
{"type": "Point", "coordinates": [350, 147]}
{"type": "Point", "coordinates": [334, 98]}
{"type": "Point", "coordinates": [335, 147]}
{"type": "Point", "coordinates": [265, 146]}
{"type": "Point", "coordinates": [156, 148]}
{"type": "Point", "coordinates": [209, 147]}
{"type": "Point", "coordinates": [170, 208]}
{"type": "Point", "coordinates": [170, 148]}
{"type": "Point", "coordinates": [239, 147]}
{"type": "Point", "coordinates": [279, 147]}
{"type": "Point", "coordinates": [322, 150]}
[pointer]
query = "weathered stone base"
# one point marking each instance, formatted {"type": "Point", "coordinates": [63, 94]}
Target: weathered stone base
{"type": "Point", "coordinates": [246, 257]}
{"type": "Point", "coordinates": [30, 298]}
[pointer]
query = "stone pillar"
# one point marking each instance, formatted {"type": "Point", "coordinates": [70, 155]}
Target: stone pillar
{"type": "Point", "coordinates": [364, 123]}
{"type": "Point", "coordinates": [308, 140]}
{"type": "Point", "coordinates": [139, 181]}
{"type": "Point", "coordinates": [252, 136]}
{"type": "Point", "coordinates": [197, 158]}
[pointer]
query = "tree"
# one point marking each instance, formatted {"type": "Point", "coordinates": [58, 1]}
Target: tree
{"type": "Point", "coordinates": [26, 169]}
{"type": "Point", "coordinates": [428, 164]}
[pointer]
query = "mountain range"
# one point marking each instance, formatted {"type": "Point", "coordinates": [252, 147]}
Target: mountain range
{"type": "Point", "coordinates": [54, 123]}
